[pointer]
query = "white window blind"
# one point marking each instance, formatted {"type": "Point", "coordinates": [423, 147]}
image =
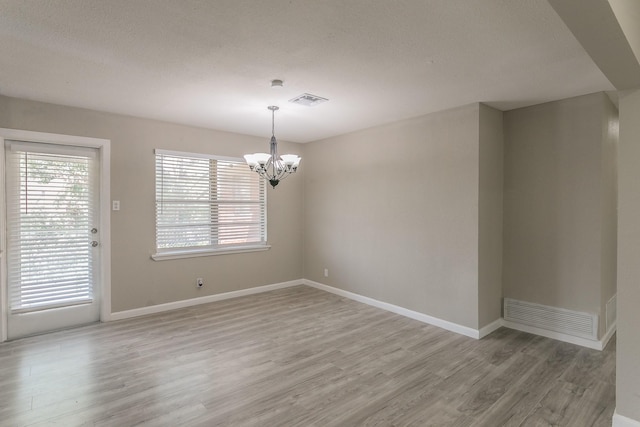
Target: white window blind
{"type": "Point", "coordinates": [207, 202]}
{"type": "Point", "coordinates": [49, 214]}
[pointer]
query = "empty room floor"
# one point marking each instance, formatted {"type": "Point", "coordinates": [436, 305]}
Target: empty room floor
{"type": "Point", "coordinates": [299, 357]}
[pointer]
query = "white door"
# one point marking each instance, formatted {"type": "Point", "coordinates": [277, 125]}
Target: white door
{"type": "Point", "coordinates": [52, 240]}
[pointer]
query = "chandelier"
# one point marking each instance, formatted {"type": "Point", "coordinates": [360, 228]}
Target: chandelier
{"type": "Point", "coordinates": [272, 167]}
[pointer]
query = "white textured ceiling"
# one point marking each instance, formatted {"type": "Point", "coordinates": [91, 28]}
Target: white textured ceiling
{"type": "Point", "coordinates": [209, 63]}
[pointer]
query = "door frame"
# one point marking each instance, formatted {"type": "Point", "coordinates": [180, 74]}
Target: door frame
{"type": "Point", "coordinates": [104, 158]}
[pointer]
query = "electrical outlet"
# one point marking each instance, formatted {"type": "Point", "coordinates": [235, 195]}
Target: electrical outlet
{"type": "Point", "coordinates": [326, 272]}
{"type": "Point", "coordinates": [199, 282]}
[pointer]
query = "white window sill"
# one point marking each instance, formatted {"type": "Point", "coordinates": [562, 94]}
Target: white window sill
{"type": "Point", "coordinates": [193, 253]}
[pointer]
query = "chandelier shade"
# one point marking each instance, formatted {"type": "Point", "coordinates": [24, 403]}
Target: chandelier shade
{"type": "Point", "coordinates": [271, 166]}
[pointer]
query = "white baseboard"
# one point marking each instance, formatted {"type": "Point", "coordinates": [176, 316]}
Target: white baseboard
{"type": "Point", "coordinates": [622, 421]}
{"type": "Point", "coordinates": [493, 326]}
{"type": "Point", "coordinates": [143, 311]}
{"type": "Point", "coordinates": [608, 335]}
{"type": "Point", "coordinates": [596, 345]}
{"type": "Point", "coordinates": [425, 318]}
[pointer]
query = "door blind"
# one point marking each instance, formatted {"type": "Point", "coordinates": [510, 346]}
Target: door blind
{"type": "Point", "coordinates": [207, 202]}
{"type": "Point", "coordinates": [49, 215]}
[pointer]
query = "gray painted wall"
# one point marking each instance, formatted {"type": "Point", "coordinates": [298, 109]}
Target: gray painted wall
{"type": "Point", "coordinates": [628, 343]}
{"type": "Point", "coordinates": [609, 206]}
{"type": "Point", "coordinates": [393, 213]}
{"type": "Point", "coordinates": [491, 145]}
{"type": "Point", "coordinates": [138, 281]}
{"type": "Point", "coordinates": [559, 204]}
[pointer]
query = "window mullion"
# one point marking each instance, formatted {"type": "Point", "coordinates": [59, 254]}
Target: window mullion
{"type": "Point", "coordinates": [213, 201]}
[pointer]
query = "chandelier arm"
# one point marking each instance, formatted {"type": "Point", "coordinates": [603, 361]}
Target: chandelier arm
{"type": "Point", "coordinates": [265, 175]}
{"type": "Point", "coordinates": [285, 170]}
{"type": "Point", "coordinates": [285, 173]}
{"type": "Point", "coordinates": [284, 176]}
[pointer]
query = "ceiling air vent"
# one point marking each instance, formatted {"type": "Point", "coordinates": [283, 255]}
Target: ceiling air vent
{"type": "Point", "coordinates": [308, 100]}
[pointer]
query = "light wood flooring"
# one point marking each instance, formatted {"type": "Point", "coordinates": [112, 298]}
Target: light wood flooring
{"type": "Point", "coordinates": [299, 357]}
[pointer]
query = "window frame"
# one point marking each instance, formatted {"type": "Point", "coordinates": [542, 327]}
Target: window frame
{"type": "Point", "coordinates": [200, 251]}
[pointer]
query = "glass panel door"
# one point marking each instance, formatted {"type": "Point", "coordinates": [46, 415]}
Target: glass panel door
{"type": "Point", "coordinates": [52, 237]}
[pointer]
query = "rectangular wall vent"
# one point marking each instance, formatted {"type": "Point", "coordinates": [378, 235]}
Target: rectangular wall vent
{"type": "Point", "coordinates": [611, 310]}
{"type": "Point", "coordinates": [575, 323]}
{"type": "Point", "coordinates": [308, 100]}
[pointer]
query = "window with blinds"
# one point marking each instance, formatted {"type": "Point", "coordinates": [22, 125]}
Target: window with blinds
{"type": "Point", "coordinates": [49, 215]}
{"type": "Point", "coordinates": [207, 203]}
